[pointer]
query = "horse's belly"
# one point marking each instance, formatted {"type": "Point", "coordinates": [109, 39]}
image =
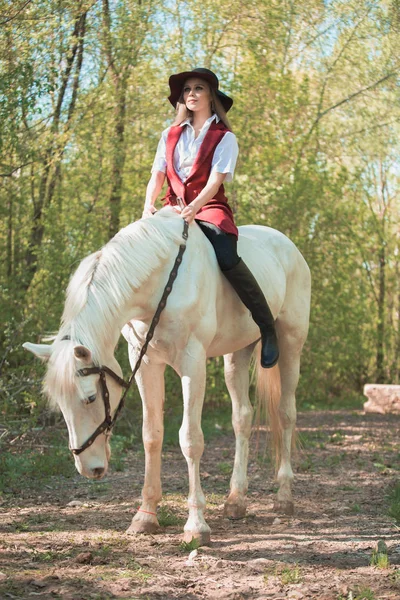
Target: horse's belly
{"type": "Point", "coordinates": [235, 327]}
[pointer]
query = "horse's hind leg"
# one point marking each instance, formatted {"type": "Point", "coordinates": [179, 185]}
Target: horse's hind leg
{"type": "Point", "coordinates": [150, 380]}
{"type": "Point", "coordinates": [289, 365]}
{"type": "Point", "coordinates": [237, 381]}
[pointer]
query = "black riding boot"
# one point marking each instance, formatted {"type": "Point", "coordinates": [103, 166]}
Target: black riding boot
{"type": "Point", "coordinates": [250, 293]}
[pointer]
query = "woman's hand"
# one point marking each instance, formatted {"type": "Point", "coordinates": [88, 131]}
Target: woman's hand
{"type": "Point", "coordinates": [188, 213]}
{"type": "Point", "coordinates": [148, 211]}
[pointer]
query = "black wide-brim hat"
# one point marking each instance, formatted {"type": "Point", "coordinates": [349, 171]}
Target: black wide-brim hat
{"type": "Point", "coordinates": [176, 84]}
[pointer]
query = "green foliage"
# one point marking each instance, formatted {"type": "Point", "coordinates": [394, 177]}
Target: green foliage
{"type": "Point", "coordinates": [380, 560]}
{"type": "Point", "coordinates": [166, 517]}
{"type": "Point", "coordinates": [288, 574]}
{"type": "Point", "coordinates": [32, 469]}
{"type": "Point", "coordinates": [317, 119]}
{"type": "Point", "coordinates": [394, 500]}
{"type": "Point", "coordinates": [291, 575]}
{"type": "Point", "coordinates": [224, 467]}
{"type": "Point", "coordinates": [189, 546]}
{"type": "Point", "coordinates": [120, 446]}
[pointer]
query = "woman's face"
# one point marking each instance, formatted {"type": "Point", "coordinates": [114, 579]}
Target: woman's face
{"type": "Point", "coordinates": [197, 95]}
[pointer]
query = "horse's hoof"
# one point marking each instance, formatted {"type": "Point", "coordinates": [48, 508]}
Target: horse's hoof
{"type": "Point", "coordinates": [235, 511]}
{"type": "Point", "coordinates": [202, 538]}
{"type": "Point", "coordinates": [142, 527]}
{"type": "Point", "coordinates": [283, 507]}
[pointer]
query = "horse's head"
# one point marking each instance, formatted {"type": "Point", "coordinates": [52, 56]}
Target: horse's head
{"type": "Point", "coordinates": [82, 391]}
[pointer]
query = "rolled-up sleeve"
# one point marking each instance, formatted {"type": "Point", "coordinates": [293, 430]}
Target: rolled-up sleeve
{"type": "Point", "coordinates": [225, 156]}
{"type": "Point", "coordinates": [160, 160]}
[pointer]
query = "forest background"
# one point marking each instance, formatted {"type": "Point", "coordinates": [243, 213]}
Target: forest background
{"type": "Point", "coordinates": [83, 100]}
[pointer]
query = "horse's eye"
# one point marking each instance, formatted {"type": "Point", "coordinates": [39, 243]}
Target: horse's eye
{"type": "Point", "coordinates": [90, 399]}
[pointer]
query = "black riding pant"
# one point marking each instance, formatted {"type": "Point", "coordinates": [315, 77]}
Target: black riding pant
{"type": "Point", "coordinates": [224, 244]}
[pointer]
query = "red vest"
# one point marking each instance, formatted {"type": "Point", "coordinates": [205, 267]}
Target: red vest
{"type": "Point", "coordinates": [217, 210]}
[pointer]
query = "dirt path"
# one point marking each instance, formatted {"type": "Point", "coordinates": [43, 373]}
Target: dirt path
{"type": "Point", "coordinates": [349, 463]}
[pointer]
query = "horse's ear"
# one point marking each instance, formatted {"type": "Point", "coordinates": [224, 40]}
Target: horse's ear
{"type": "Point", "coordinates": [83, 354]}
{"type": "Point", "coordinates": [42, 351]}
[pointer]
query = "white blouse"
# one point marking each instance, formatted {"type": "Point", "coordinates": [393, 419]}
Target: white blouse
{"type": "Point", "coordinates": [224, 159]}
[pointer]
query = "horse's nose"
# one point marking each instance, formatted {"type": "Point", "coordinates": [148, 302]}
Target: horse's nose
{"type": "Point", "coordinates": [98, 472]}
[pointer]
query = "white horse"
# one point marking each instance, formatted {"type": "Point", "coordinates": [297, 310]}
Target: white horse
{"type": "Point", "coordinates": [119, 287]}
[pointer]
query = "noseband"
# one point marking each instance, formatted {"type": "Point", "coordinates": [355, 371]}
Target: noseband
{"type": "Point", "coordinates": [109, 421]}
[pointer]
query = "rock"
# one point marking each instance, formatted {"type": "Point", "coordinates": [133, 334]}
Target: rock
{"type": "Point", "coordinates": [192, 555]}
{"type": "Point", "coordinates": [39, 583]}
{"type": "Point", "coordinates": [219, 564]}
{"type": "Point", "coordinates": [75, 503]}
{"type": "Point", "coordinates": [382, 398]}
{"type": "Point", "coordinates": [295, 595]}
{"type": "Point", "coordinates": [84, 558]}
{"type": "Point", "coordinates": [274, 591]}
{"type": "Point", "coordinates": [259, 564]}
{"type": "Point", "coordinates": [276, 521]}
{"type": "Point", "coordinates": [189, 563]}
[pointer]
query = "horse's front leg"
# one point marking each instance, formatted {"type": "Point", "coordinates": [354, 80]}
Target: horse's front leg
{"type": "Point", "coordinates": [150, 381]}
{"type": "Point", "coordinates": [192, 370]}
{"type": "Point", "coordinates": [237, 381]}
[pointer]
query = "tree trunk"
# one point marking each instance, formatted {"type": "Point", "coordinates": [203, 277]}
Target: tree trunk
{"type": "Point", "coordinates": [53, 154]}
{"type": "Point", "coordinates": [380, 371]}
{"type": "Point", "coordinates": [9, 258]}
{"type": "Point", "coordinates": [118, 159]}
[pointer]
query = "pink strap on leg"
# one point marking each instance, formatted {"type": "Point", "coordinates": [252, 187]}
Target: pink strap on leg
{"type": "Point", "coordinates": [146, 511]}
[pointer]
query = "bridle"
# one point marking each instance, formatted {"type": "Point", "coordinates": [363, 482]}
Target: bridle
{"type": "Point", "coordinates": [109, 421]}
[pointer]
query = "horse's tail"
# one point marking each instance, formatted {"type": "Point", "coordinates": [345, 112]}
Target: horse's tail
{"type": "Point", "coordinates": [268, 395]}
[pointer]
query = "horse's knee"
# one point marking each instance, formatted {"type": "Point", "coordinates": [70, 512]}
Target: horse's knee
{"type": "Point", "coordinates": [191, 441]}
{"type": "Point", "coordinates": [242, 419]}
{"type": "Point", "coordinates": [152, 445]}
{"type": "Point", "coordinates": [287, 416]}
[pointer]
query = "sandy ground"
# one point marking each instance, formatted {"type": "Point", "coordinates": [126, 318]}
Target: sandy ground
{"type": "Point", "coordinates": [344, 473]}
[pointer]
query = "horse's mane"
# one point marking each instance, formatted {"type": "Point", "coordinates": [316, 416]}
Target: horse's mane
{"type": "Point", "coordinates": [103, 282]}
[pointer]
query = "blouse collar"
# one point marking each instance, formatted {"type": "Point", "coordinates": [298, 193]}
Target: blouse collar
{"type": "Point", "coordinates": [207, 123]}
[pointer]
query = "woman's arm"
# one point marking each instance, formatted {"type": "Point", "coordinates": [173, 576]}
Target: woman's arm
{"type": "Point", "coordinates": [154, 187]}
{"type": "Point", "coordinates": [208, 192]}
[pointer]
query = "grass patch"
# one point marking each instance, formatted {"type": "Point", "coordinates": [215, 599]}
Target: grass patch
{"type": "Point", "coordinates": [337, 437]}
{"type": "Point", "coordinates": [120, 446]}
{"type": "Point", "coordinates": [189, 546]}
{"type": "Point", "coordinates": [166, 517]}
{"type": "Point", "coordinates": [291, 575]}
{"type": "Point", "coordinates": [336, 459]}
{"type": "Point", "coordinates": [307, 465]}
{"type": "Point", "coordinates": [312, 439]}
{"type": "Point", "coordinates": [30, 468]}
{"type": "Point", "coordinates": [224, 468]}
{"type": "Point", "coordinates": [216, 499]}
{"type": "Point", "coordinates": [212, 424]}
{"type": "Point", "coordinates": [364, 594]}
{"type": "Point", "coordinates": [288, 574]}
{"type": "Point", "coordinates": [379, 557]}
{"type": "Point", "coordinates": [394, 499]}
{"type": "Point", "coordinates": [328, 402]}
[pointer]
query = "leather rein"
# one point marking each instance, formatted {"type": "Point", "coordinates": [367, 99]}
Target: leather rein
{"type": "Point", "coordinates": [109, 421]}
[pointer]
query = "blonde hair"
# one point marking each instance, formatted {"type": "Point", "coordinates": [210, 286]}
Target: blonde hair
{"type": "Point", "coordinates": [183, 113]}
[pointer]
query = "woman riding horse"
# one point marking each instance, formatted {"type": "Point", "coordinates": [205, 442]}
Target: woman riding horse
{"type": "Point", "coordinates": [197, 154]}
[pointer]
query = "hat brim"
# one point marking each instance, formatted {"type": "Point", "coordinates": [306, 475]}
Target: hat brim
{"type": "Point", "coordinates": [177, 81]}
